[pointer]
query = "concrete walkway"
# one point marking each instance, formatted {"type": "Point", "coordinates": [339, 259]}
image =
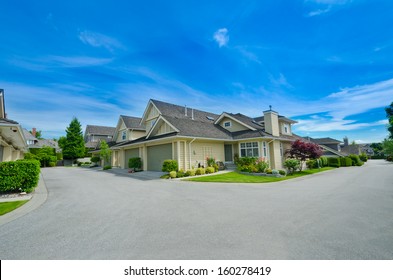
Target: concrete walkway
{"type": "Point", "coordinates": [37, 198]}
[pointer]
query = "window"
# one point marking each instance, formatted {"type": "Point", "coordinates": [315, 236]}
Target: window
{"type": "Point", "coordinates": [227, 124]}
{"type": "Point", "coordinates": [124, 135]}
{"type": "Point", "coordinates": [286, 128]}
{"type": "Point", "coordinates": [264, 149]}
{"type": "Point", "coordinates": [249, 149]}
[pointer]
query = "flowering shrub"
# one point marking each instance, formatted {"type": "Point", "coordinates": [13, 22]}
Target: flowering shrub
{"type": "Point", "coordinates": [261, 164]}
{"type": "Point", "coordinates": [210, 161]}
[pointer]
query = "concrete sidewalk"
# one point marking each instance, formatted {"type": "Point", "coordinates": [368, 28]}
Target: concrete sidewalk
{"type": "Point", "coordinates": [37, 198]}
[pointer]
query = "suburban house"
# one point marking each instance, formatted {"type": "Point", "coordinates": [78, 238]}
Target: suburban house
{"type": "Point", "coordinates": [95, 133]}
{"type": "Point", "coordinates": [330, 147]}
{"type": "Point", "coordinates": [356, 149]}
{"type": "Point", "coordinates": [12, 140]}
{"type": "Point", "coordinates": [189, 136]}
{"type": "Point", "coordinates": [35, 143]}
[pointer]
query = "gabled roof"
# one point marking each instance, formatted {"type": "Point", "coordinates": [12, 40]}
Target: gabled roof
{"type": "Point", "coordinates": [176, 111]}
{"type": "Point", "coordinates": [132, 123]}
{"type": "Point", "coordinates": [241, 119]}
{"type": "Point", "coordinates": [323, 141]}
{"type": "Point", "coordinates": [100, 130]}
{"type": "Point", "coordinates": [28, 135]}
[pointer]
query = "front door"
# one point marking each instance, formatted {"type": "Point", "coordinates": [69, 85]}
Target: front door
{"type": "Point", "coordinates": [228, 152]}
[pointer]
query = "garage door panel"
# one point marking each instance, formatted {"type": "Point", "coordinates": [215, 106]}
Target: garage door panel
{"type": "Point", "coordinates": [131, 153]}
{"type": "Point", "coordinates": [156, 156]}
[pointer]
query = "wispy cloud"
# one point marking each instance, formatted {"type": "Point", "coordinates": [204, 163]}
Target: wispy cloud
{"type": "Point", "coordinates": [98, 40]}
{"type": "Point", "coordinates": [221, 37]}
{"type": "Point", "coordinates": [320, 7]}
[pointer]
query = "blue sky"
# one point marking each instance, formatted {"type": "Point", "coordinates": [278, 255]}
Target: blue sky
{"type": "Point", "coordinates": [326, 63]}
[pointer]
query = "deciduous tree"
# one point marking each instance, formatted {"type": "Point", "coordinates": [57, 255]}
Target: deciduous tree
{"type": "Point", "coordinates": [304, 150]}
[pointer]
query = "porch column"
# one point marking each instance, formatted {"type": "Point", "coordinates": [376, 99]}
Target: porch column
{"type": "Point", "coordinates": [275, 155]}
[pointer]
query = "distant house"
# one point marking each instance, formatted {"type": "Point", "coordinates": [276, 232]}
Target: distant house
{"type": "Point", "coordinates": [330, 146]}
{"type": "Point", "coordinates": [12, 140]}
{"type": "Point", "coordinates": [356, 149]}
{"type": "Point", "coordinates": [95, 133]}
{"type": "Point", "coordinates": [189, 136]}
{"type": "Point", "coordinates": [35, 143]}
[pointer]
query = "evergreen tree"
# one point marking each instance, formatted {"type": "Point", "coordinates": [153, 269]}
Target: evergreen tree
{"type": "Point", "coordinates": [389, 115]}
{"type": "Point", "coordinates": [74, 145]}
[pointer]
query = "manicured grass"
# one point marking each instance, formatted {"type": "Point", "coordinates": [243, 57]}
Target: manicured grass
{"type": "Point", "coordinates": [6, 207]}
{"type": "Point", "coordinates": [234, 177]}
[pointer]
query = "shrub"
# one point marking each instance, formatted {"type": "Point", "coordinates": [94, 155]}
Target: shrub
{"type": "Point", "coordinates": [135, 163]}
{"type": "Point", "coordinates": [190, 172]}
{"type": "Point", "coordinates": [165, 176]}
{"type": "Point", "coordinates": [79, 163]}
{"type": "Point", "coordinates": [246, 161]}
{"type": "Point", "coordinates": [19, 175]}
{"type": "Point", "coordinates": [363, 157]}
{"type": "Point", "coordinates": [312, 163]}
{"type": "Point", "coordinates": [356, 160]}
{"type": "Point", "coordinates": [282, 172]}
{"type": "Point", "coordinates": [172, 174]}
{"type": "Point", "coordinates": [216, 167]}
{"type": "Point", "coordinates": [292, 165]}
{"type": "Point", "coordinates": [261, 164]}
{"type": "Point", "coordinates": [334, 161]}
{"type": "Point", "coordinates": [275, 172]}
{"type": "Point", "coordinates": [95, 159]}
{"type": "Point", "coordinates": [200, 171]}
{"type": "Point", "coordinates": [324, 161]}
{"type": "Point", "coordinates": [268, 171]}
{"type": "Point", "coordinates": [52, 164]}
{"type": "Point", "coordinates": [180, 174]}
{"type": "Point", "coordinates": [210, 161]}
{"type": "Point", "coordinates": [106, 167]}
{"type": "Point", "coordinates": [345, 161]}
{"type": "Point", "coordinates": [210, 170]}
{"type": "Point", "coordinates": [169, 165]}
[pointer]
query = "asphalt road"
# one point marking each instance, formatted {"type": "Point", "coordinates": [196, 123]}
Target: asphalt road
{"type": "Point", "coordinates": [345, 213]}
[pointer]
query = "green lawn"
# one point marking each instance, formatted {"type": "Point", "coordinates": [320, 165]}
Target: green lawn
{"type": "Point", "coordinates": [6, 207]}
{"type": "Point", "coordinates": [234, 177]}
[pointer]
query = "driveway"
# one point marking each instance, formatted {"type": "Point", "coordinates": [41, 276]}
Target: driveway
{"type": "Point", "coordinates": [340, 214]}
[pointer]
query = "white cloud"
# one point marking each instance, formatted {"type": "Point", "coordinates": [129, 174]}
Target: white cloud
{"type": "Point", "coordinates": [221, 37]}
{"type": "Point", "coordinates": [97, 40]}
{"type": "Point", "coordinates": [319, 12]}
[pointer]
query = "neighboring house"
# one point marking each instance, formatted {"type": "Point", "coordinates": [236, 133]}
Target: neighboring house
{"type": "Point", "coordinates": [34, 143]}
{"type": "Point", "coordinates": [330, 146]}
{"type": "Point", "coordinates": [168, 131]}
{"type": "Point", "coordinates": [356, 149]}
{"type": "Point", "coordinates": [367, 149]}
{"type": "Point", "coordinates": [95, 133]}
{"type": "Point", "coordinates": [12, 140]}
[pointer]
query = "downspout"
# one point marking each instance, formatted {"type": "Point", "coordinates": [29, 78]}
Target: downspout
{"type": "Point", "coordinates": [189, 150]}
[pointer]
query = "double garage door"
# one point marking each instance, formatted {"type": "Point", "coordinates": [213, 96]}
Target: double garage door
{"type": "Point", "coordinates": [156, 156]}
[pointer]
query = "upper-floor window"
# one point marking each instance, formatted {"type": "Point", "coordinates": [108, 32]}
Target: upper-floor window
{"type": "Point", "coordinates": [249, 149]}
{"type": "Point", "coordinates": [227, 124]}
{"type": "Point", "coordinates": [286, 128]}
{"type": "Point", "coordinates": [124, 135]}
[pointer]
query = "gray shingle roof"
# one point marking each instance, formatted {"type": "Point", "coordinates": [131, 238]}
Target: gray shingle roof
{"type": "Point", "coordinates": [246, 120]}
{"type": "Point", "coordinates": [323, 141]}
{"type": "Point", "coordinates": [133, 122]}
{"type": "Point", "coordinates": [28, 135]}
{"type": "Point", "coordinates": [100, 130]}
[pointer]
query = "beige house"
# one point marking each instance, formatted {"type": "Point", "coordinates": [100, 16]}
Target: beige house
{"type": "Point", "coordinates": [188, 135]}
{"type": "Point", "coordinates": [12, 140]}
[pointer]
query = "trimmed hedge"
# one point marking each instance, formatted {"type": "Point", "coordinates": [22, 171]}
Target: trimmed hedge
{"type": "Point", "coordinates": [135, 163]}
{"type": "Point", "coordinates": [334, 161]}
{"type": "Point", "coordinates": [345, 161]}
{"type": "Point", "coordinates": [169, 165]}
{"type": "Point", "coordinates": [324, 161]}
{"type": "Point", "coordinates": [20, 175]}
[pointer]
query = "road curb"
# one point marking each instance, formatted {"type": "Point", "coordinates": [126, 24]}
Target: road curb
{"type": "Point", "coordinates": [39, 197]}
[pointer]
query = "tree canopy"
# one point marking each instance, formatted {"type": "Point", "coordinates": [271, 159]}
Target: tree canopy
{"type": "Point", "coordinates": [389, 115]}
{"type": "Point", "coordinates": [105, 152]}
{"type": "Point", "coordinates": [73, 145]}
{"type": "Point", "coordinates": [304, 150]}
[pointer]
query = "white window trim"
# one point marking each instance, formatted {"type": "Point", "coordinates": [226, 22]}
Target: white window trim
{"type": "Point", "coordinates": [124, 135]}
{"type": "Point", "coordinates": [227, 122]}
{"type": "Point", "coordinates": [252, 148]}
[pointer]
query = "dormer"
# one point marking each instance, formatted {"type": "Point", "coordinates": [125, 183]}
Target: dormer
{"type": "Point", "coordinates": [128, 128]}
{"type": "Point", "coordinates": [231, 123]}
{"type": "Point", "coordinates": [286, 125]}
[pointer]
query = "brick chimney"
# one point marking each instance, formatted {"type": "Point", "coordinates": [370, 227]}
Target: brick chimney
{"type": "Point", "coordinates": [271, 122]}
{"type": "Point", "coordinates": [34, 131]}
